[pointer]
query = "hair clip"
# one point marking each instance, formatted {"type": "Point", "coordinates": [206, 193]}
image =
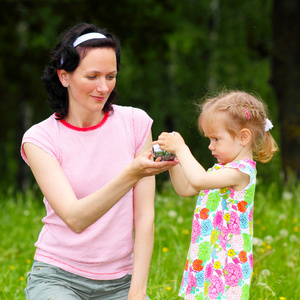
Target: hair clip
{"type": "Point", "coordinates": [247, 114]}
{"type": "Point", "coordinates": [268, 125]}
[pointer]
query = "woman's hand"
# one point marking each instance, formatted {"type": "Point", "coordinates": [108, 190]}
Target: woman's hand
{"type": "Point", "coordinates": [144, 165]}
{"type": "Point", "coordinates": [136, 296]}
{"type": "Point", "coordinates": [171, 142]}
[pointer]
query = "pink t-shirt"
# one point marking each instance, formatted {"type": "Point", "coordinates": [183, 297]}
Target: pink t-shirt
{"type": "Point", "coordinates": [90, 158]}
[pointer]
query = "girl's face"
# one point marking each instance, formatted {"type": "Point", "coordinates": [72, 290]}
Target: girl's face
{"type": "Point", "coordinates": [90, 85]}
{"type": "Point", "coordinates": [223, 146]}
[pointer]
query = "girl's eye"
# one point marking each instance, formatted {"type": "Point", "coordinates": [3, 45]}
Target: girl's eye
{"type": "Point", "coordinates": [91, 77]}
{"type": "Point", "coordinates": [111, 77]}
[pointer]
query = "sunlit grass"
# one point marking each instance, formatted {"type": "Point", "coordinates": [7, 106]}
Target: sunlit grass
{"type": "Point", "coordinates": [276, 243]}
{"type": "Point", "coordinates": [20, 223]}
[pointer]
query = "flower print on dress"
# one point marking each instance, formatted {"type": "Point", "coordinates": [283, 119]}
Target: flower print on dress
{"type": "Point", "coordinates": [234, 293]}
{"type": "Point", "coordinates": [209, 271]}
{"type": "Point", "coordinates": [251, 261]}
{"type": "Point", "coordinates": [243, 256]}
{"type": "Point", "coordinates": [184, 280]}
{"type": "Point", "coordinates": [191, 283]}
{"type": "Point", "coordinates": [224, 205]}
{"type": "Point", "coordinates": [240, 195]}
{"type": "Point", "coordinates": [199, 199]}
{"type": "Point", "coordinates": [196, 231]}
{"type": "Point", "coordinates": [205, 250]}
{"type": "Point", "coordinates": [226, 252]}
{"type": "Point", "coordinates": [246, 270]}
{"type": "Point", "coordinates": [200, 278]}
{"type": "Point", "coordinates": [194, 251]}
{"type": "Point", "coordinates": [197, 265]}
{"type": "Point", "coordinates": [206, 227]}
{"type": "Point", "coordinates": [204, 213]}
{"type": "Point", "coordinates": [214, 236]}
{"type": "Point", "coordinates": [251, 215]}
{"type": "Point", "coordinates": [249, 196]}
{"type": "Point", "coordinates": [247, 242]}
{"type": "Point", "coordinates": [234, 223]}
{"type": "Point", "coordinates": [223, 191]}
{"type": "Point", "coordinates": [213, 200]}
{"type": "Point", "coordinates": [223, 237]}
{"type": "Point", "coordinates": [216, 287]}
{"type": "Point", "coordinates": [244, 221]}
{"type": "Point", "coordinates": [237, 242]}
{"type": "Point", "coordinates": [218, 220]}
{"type": "Point", "coordinates": [233, 274]}
{"type": "Point", "coordinates": [245, 292]}
{"type": "Point", "coordinates": [242, 206]}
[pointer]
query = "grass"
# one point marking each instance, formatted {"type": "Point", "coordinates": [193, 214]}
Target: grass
{"type": "Point", "coordinates": [276, 243]}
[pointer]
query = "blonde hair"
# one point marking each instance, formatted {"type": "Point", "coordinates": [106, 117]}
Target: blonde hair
{"type": "Point", "coordinates": [241, 110]}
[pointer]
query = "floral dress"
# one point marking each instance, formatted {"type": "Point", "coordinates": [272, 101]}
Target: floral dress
{"type": "Point", "coordinates": [220, 260]}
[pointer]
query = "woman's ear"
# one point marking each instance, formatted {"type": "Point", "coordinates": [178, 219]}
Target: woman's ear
{"type": "Point", "coordinates": [245, 137]}
{"type": "Point", "coordinates": [63, 77]}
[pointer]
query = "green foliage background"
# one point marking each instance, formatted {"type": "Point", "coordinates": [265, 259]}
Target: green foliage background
{"type": "Point", "coordinates": [173, 53]}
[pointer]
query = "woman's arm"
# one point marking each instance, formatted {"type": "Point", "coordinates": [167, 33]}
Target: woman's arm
{"type": "Point", "coordinates": [78, 215]}
{"type": "Point", "coordinates": [143, 209]}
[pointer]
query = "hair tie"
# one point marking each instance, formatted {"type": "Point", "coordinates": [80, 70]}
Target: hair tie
{"type": "Point", "coordinates": [268, 125]}
{"type": "Point", "coordinates": [87, 37]}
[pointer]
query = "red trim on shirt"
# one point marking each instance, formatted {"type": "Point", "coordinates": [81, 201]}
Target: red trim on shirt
{"type": "Point", "coordinates": [86, 128]}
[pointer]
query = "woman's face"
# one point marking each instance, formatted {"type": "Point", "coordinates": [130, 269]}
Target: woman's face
{"type": "Point", "coordinates": [90, 85]}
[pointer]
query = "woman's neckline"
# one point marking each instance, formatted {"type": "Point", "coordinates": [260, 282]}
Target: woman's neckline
{"type": "Point", "coordinates": [65, 123]}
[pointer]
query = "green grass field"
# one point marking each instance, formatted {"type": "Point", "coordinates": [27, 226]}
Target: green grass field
{"type": "Point", "coordinates": [276, 243]}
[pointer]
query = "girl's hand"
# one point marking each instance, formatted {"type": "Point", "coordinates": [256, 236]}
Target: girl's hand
{"type": "Point", "coordinates": [170, 142]}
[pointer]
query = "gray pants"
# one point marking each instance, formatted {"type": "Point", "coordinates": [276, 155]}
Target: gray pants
{"type": "Point", "coordinates": [47, 282]}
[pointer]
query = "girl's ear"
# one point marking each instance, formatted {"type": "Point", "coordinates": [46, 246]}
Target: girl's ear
{"type": "Point", "coordinates": [63, 77]}
{"type": "Point", "coordinates": [245, 137]}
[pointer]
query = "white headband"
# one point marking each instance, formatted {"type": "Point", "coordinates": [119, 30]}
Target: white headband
{"type": "Point", "coordinates": [88, 36]}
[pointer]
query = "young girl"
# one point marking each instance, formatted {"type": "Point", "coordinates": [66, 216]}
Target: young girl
{"type": "Point", "coordinates": [220, 260]}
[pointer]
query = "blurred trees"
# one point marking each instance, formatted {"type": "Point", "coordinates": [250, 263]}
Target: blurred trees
{"type": "Point", "coordinates": [286, 79]}
{"type": "Point", "coordinates": [173, 53]}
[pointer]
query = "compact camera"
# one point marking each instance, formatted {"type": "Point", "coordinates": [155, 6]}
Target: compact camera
{"type": "Point", "coordinates": [157, 152]}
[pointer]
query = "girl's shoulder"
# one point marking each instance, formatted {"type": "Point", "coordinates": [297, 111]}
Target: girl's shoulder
{"type": "Point", "coordinates": [241, 165]}
{"type": "Point", "coordinates": [247, 166]}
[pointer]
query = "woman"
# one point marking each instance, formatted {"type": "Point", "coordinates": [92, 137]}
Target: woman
{"type": "Point", "coordinates": [92, 161]}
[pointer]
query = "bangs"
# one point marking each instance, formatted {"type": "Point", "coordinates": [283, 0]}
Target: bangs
{"type": "Point", "coordinates": [210, 121]}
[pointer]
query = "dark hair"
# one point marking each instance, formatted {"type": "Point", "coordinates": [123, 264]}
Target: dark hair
{"type": "Point", "coordinates": [65, 56]}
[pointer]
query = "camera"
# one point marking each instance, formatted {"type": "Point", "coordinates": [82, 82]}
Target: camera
{"type": "Point", "coordinates": [157, 152]}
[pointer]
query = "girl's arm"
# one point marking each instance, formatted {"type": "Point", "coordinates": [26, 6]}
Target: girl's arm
{"type": "Point", "coordinates": [78, 215]}
{"type": "Point", "coordinates": [180, 182]}
{"type": "Point", "coordinates": [193, 172]}
{"type": "Point", "coordinates": [143, 209]}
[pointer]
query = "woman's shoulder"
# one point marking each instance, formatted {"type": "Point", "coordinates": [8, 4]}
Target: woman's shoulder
{"type": "Point", "coordinates": [130, 112]}
{"type": "Point", "coordinates": [46, 125]}
{"type": "Point", "coordinates": [120, 109]}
